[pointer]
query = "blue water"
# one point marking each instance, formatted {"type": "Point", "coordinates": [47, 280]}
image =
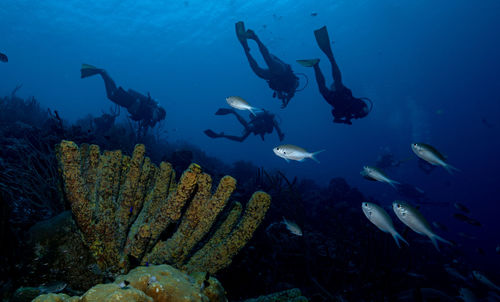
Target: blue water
{"type": "Point", "coordinates": [430, 67]}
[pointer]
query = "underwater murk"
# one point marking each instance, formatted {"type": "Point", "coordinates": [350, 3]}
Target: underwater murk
{"type": "Point", "coordinates": [249, 150]}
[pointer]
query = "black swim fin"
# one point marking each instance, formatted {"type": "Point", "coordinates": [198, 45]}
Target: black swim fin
{"type": "Point", "coordinates": [224, 111]}
{"type": "Point", "coordinates": [89, 70]}
{"type": "Point", "coordinates": [324, 41]}
{"type": "Point", "coordinates": [308, 62]}
{"type": "Point", "coordinates": [3, 58]}
{"type": "Point", "coordinates": [242, 34]}
{"type": "Point", "coordinates": [211, 134]}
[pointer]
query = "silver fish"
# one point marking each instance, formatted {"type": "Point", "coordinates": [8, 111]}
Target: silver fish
{"type": "Point", "coordinates": [291, 152]}
{"type": "Point", "coordinates": [432, 156]}
{"type": "Point", "coordinates": [481, 278]}
{"type": "Point", "coordinates": [292, 227]}
{"type": "Point", "coordinates": [379, 217]}
{"type": "Point", "coordinates": [467, 295]}
{"type": "Point", "coordinates": [454, 273]}
{"type": "Point", "coordinates": [240, 104]}
{"type": "Point", "coordinates": [374, 173]}
{"type": "Point", "coordinates": [415, 221]}
{"type": "Point", "coordinates": [461, 207]}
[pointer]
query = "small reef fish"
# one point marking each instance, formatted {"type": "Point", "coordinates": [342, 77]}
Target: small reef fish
{"type": "Point", "coordinates": [374, 173]}
{"type": "Point", "coordinates": [415, 221]}
{"type": "Point", "coordinates": [239, 103]}
{"type": "Point", "coordinates": [454, 273]}
{"type": "Point", "coordinates": [432, 156]}
{"type": "Point", "coordinates": [467, 219]}
{"type": "Point", "coordinates": [54, 287]}
{"type": "Point", "coordinates": [292, 227]}
{"type": "Point", "coordinates": [481, 278]}
{"type": "Point", "coordinates": [291, 152]}
{"type": "Point", "coordinates": [379, 217]}
{"type": "Point", "coordinates": [467, 295]}
{"type": "Point", "coordinates": [3, 58]}
{"type": "Point", "coordinates": [124, 284]}
{"type": "Point", "coordinates": [461, 207]}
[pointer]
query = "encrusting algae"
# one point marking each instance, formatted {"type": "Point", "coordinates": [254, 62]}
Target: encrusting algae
{"type": "Point", "coordinates": [123, 204]}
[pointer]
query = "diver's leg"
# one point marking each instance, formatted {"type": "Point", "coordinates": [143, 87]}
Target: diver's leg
{"type": "Point", "coordinates": [236, 138]}
{"type": "Point", "coordinates": [323, 41]}
{"type": "Point", "coordinates": [337, 76]}
{"type": "Point", "coordinates": [240, 119]}
{"type": "Point", "coordinates": [320, 79]}
{"type": "Point", "coordinates": [272, 61]}
{"type": "Point", "coordinates": [111, 89]}
{"type": "Point", "coordinates": [260, 72]}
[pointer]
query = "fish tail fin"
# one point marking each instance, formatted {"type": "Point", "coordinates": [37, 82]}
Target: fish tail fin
{"type": "Point", "coordinates": [254, 109]}
{"type": "Point", "coordinates": [393, 183]}
{"type": "Point", "coordinates": [450, 168]}
{"type": "Point", "coordinates": [435, 238]}
{"type": "Point", "coordinates": [313, 155]}
{"type": "Point", "coordinates": [398, 237]}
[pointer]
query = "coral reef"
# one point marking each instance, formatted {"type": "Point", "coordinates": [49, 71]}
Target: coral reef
{"type": "Point", "coordinates": [124, 206]}
{"type": "Point", "coordinates": [55, 251]}
{"type": "Point", "coordinates": [152, 283]}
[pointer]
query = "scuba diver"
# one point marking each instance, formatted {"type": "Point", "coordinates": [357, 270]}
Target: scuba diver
{"type": "Point", "coordinates": [143, 109]}
{"type": "Point", "coordinates": [279, 75]}
{"type": "Point", "coordinates": [260, 124]}
{"type": "Point", "coordinates": [345, 106]}
{"type": "Point", "coordinates": [3, 58]}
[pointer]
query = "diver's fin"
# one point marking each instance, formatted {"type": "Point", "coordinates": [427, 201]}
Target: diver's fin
{"type": "Point", "coordinates": [224, 111]}
{"type": "Point", "coordinates": [211, 134]}
{"type": "Point", "coordinates": [324, 41]}
{"type": "Point", "coordinates": [89, 70]}
{"type": "Point", "coordinates": [308, 63]}
{"type": "Point", "coordinates": [3, 58]}
{"type": "Point", "coordinates": [242, 34]}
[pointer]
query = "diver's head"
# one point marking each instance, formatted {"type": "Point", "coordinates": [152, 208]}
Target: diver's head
{"type": "Point", "coordinates": [362, 109]}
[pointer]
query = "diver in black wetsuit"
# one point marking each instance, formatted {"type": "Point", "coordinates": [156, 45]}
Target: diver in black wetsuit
{"type": "Point", "coordinates": [142, 109]}
{"type": "Point", "coordinates": [345, 105]}
{"type": "Point", "coordinates": [279, 75]}
{"type": "Point", "coordinates": [260, 124]}
{"type": "Point", "coordinates": [3, 58]}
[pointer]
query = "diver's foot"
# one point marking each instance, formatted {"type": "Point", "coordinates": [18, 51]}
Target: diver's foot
{"type": "Point", "coordinates": [212, 134]}
{"type": "Point", "coordinates": [251, 35]}
{"type": "Point", "coordinates": [224, 111]}
{"type": "Point", "coordinates": [308, 62]}
{"type": "Point", "coordinates": [242, 35]}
